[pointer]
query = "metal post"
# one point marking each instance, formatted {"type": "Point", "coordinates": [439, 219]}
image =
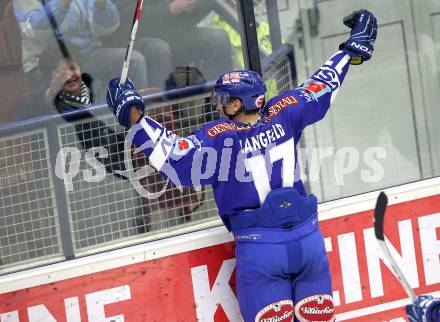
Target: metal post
{"type": "Point", "coordinates": [60, 195]}
{"type": "Point", "coordinates": [274, 23]}
{"type": "Point", "coordinates": [251, 50]}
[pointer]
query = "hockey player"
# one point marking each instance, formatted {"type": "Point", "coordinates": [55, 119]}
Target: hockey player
{"type": "Point", "coordinates": [425, 309]}
{"type": "Point", "coordinates": [249, 158]}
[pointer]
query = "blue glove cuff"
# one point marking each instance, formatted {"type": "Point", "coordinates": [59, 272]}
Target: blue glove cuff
{"type": "Point", "coordinates": [121, 99]}
{"type": "Point", "coordinates": [355, 49]}
{"type": "Point", "coordinates": [123, 110]}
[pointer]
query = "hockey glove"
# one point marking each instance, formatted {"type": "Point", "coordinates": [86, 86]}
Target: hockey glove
{"type": "Point", "coordinates": [363, 33]}
{"type": "Point", "coordinates": [122, 98]}
{"type": "Point", "coordinates": [423, 309]}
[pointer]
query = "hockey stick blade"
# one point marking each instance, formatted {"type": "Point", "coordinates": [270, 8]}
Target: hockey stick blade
{"type": "Point", "coordinates": [379, 218]}
{"type": "Point", "coordinates": [379, 215]}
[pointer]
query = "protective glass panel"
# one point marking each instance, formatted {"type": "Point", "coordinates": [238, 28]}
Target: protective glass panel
{"type": "Point", "coordinates": [383, 127]}
{"type": "Point", "coordinates": [29, 227]}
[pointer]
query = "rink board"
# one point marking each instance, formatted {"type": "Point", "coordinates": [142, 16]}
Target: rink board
{"type": "Point", "coordinates": [192, 277]}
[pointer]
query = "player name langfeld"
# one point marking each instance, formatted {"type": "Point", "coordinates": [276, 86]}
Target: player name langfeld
{"type": "Point", "coordinates": [262, 139]}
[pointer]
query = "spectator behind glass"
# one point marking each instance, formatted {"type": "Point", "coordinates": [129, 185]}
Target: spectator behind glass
{"type": "Point", "coordinates": [81, 22]}
{"type": "Point", "coordinates": [61, 82]}
{"type": "Point", "coordinates": [176, 23]}
{"type": "Point", "coordinates": [64, 89]}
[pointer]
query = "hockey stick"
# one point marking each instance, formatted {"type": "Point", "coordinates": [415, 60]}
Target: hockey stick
{"type": "Point", "coordinates": [56, 32]}
{"type": "Point", "coordinates": [379, 216]}
{"type": "Point", "coordinates": [134, 27]}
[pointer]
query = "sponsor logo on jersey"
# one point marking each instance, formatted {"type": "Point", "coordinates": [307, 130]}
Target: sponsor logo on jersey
{"type": "Point", "coordinates": [248, 237]}
{"type": "Point", "coordinates": [315, 308]}
{"type": "Point", "coordinates": [313, 89]}
{"type": "Point", "coordinates": [281, 311]}
{"type": "Point", "coordinates": [280, 105]}
{"type": "Point", "coordinates": [225, 127]}
{"type": "Point", "coordinates": [316, 87]}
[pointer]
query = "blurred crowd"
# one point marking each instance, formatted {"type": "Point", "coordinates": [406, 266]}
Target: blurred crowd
{"type": "Point", "coordinates": [170, 36]}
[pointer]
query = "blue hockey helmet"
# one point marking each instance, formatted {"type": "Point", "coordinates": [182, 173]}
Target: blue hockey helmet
{"type": "Point", "coordinates": [246, 85]}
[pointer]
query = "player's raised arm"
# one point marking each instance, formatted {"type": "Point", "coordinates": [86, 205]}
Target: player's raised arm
{"type": "Point", "coordinates": [164, 149]}
{"type": "Point", "coordinates": [322, 87]}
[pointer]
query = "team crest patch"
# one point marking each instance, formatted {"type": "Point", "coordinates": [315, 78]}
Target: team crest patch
{"type": "Point", "coordinates": [315, 308]}
{"type": "Point", "coordinates": [316, 88]}
{"type": "Point", "coordinates": [182, 146]}
{"type": "Point", "coordinates": [281, 311]}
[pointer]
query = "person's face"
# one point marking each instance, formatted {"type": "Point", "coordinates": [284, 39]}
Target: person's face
{"type": "Point", "coordinates": [232, 105]}
{"type": "Point", "coordinates": [70, 74]}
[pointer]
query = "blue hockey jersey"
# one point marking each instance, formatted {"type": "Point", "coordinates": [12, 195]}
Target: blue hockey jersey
{"type": "Point", "coordinates": [243, 162]}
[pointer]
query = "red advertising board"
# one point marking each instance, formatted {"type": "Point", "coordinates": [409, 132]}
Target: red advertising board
{"type": "Point", "coordinates": [199, 285]}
